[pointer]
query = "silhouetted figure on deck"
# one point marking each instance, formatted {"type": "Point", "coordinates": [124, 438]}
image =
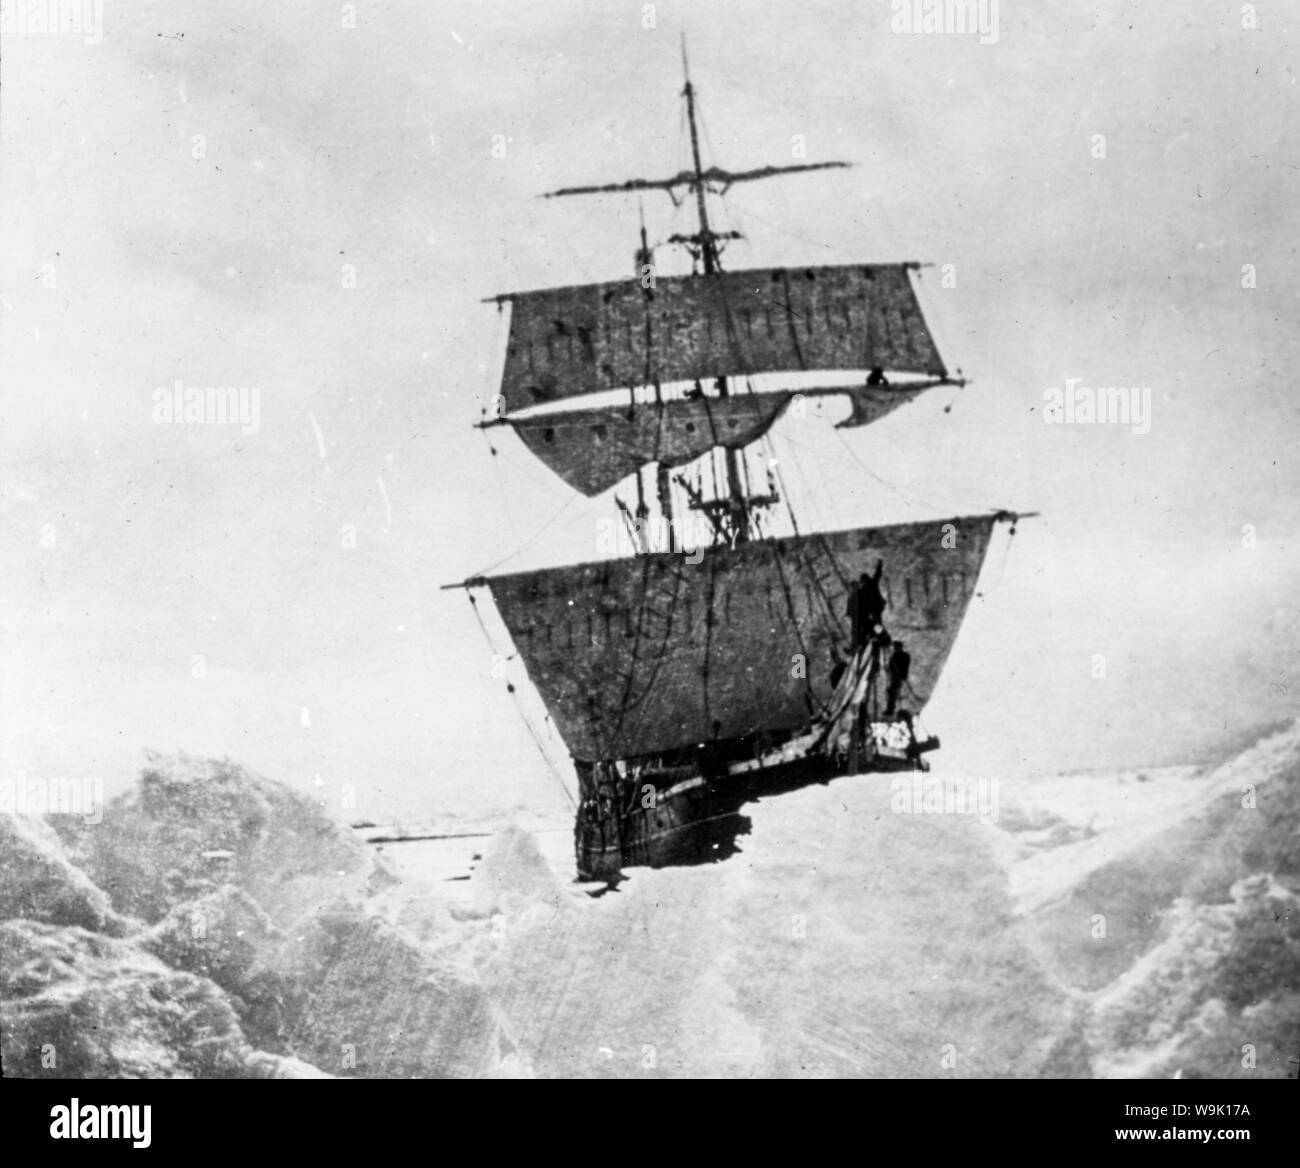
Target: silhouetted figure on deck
{"type": "Point", "coordinates": [866, 606]}
{"type": "Point", "coordinates": [838, 666]}
{"type": "Point", "coordinates": [877, 377]}
{"type": "Point", "coordinates": [900, 665]}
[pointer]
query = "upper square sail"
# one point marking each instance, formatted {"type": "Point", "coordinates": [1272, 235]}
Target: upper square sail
{"type": "Point", "coordinates": [594, 449]}
{"type": "Point", "coordinates": [567, 342]}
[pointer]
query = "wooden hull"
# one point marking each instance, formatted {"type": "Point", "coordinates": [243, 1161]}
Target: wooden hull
{"type": "Point", "coordinates": [695, 820]}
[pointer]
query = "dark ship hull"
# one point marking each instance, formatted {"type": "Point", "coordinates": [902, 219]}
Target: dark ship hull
{"type": "Point", "coordinates": [629, 821]}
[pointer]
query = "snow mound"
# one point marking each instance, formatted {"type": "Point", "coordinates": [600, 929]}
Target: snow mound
{"type": "Point", "coordinates": [192, 825]}
{"type": "Point", "coordinates": [78, 1005]}
{"type": "Point", "coordinates": [38, 881]}
{"type": "Point", "coordinates": [1175, 921]}
{"type": "Point", "coordinates": [513, 874]}
{"type": "Point", "coordinates": [256, 945]}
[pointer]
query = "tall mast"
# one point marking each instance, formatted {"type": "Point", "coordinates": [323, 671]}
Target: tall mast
{"type": "Point", "coordinates": [738, 526]}
{"type": "Point", "coordinates": [708, 250]}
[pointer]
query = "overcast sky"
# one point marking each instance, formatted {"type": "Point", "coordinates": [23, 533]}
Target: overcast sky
{"type": "Point", "coordinates": [190, 197]}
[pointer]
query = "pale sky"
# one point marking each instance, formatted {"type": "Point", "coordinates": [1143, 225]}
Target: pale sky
{"type": "Point", "coordinates": [182, 201]}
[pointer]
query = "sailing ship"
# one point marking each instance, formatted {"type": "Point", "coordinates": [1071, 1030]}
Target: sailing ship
{"type": "Point", "coordinates": [693, 674]}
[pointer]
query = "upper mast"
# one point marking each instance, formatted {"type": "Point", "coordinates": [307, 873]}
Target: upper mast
{"type": "Point", "coordinates": [708, 247]}
{"type": "Point", "coordinates": [731, 512]}
{"type": "Point", "coordinates": [736, 526]}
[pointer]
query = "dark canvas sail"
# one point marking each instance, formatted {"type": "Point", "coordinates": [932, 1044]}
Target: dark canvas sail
{"type": "Point", "coordinates": [641, 655]}
{"type": "Point", "coordinates": [592, 450]}
{"type": "Point", "coordinates": [565, 342]}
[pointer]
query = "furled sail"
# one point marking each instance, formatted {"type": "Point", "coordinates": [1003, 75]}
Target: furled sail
{"type": "Point", "coordinates": [565, 342]}
{"type": "Point", "coordinates": [872, 402]}
{"type": "Point", "coordinates": [592, 450]}
{"type": "Point", "coordinates": [647, 654]}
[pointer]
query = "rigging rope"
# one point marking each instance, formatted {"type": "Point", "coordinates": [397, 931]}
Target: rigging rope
{"type": "Point", "coordinates": [910, 501]}
{"type": "Point", "coordinates": [751, 214]}
{"type": "Point", "coordinates": [810, 696]}
{"type": "Point", "coordinates": [551, 768]}
{"type": "Point", "coordinates": [529, 542]}
{"type": "Point", "coordinates": [833, 626]}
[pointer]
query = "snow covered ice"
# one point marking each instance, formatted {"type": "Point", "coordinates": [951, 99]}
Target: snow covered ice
{"type": "Point", "coordinates": [1134, 923]}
